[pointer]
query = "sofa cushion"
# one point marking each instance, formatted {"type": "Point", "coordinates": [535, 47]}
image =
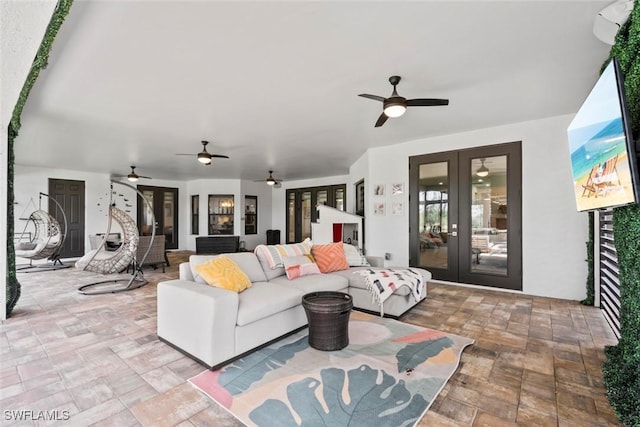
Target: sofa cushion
{"type": "Point", "coordinates": [247, 262]}
{"type": "Point", "coordinates": [298, 266]}
{"type": "Point", "coordinates": [223, 272]}
{"type": "Point", "coordinates": [314, 283]}
{"type": "Point", "coordinates": [330, 257]}
{"type": "Point", "coordinates": [274, 254]}
{"type": "Point", "coordinates": [265, 299]}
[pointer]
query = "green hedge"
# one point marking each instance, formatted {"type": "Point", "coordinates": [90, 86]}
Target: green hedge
{"type": "Point", "coordinates": [621, 370]}
{"type": "Point", "coordinates": [39, 63]}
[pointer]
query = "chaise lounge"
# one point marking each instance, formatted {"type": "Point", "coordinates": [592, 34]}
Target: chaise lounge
{"type": "Point", "coordinates": [215, 325]}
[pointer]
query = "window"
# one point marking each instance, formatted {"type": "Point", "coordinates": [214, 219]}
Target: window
{"type": "Point", "coordinates": [221, 210]}
{"type": "Point", "coordinates": [195, 214]}
{"type": "Point", "coordinates": [250, 214]}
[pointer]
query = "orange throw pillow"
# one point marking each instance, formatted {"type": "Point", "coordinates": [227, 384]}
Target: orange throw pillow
{"type": "Point", "coordinates": [330, 257]}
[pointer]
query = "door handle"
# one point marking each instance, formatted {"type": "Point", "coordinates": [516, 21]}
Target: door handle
{"type": "Point", "coordinates": [453, 234]}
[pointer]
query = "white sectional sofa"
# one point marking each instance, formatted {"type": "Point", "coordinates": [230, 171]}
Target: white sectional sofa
{"type": "Point", "coordinates": [215, 325]}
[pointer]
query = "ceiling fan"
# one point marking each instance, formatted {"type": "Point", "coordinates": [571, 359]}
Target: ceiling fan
{"type": "Point", "coordinates": [270, 180]}
{"type": "Point", "coordinates": [396, 105]}
{"type": "Point", "coordinates": [133, 176]}
{"type": "Point", "coordinates": [204, 156]}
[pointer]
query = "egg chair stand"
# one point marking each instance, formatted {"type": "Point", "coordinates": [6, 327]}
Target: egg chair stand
{"type": "Point", "coordinates": [47, 241]}
{"type": "Point", "coordinates": [101, 261]}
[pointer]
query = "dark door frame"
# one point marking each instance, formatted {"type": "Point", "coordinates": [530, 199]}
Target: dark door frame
{"type": "Point", "coordinates": [460, 201]}
{"type": "Point", "coordinates": [158, 211]}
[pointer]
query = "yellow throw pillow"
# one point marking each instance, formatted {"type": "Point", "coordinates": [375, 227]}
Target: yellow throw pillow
{"type": "Point", "coordinates": [223, 272]}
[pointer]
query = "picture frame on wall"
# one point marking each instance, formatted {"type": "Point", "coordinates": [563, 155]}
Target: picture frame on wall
{"type": "Point", "coordinates": [378, 190]}
{"type": "Point", "coordinates": [397, 208]}
{"type": "Point", "coordinates": [379, 208]}
{"type": "Point", "coordinates": [397, 189]}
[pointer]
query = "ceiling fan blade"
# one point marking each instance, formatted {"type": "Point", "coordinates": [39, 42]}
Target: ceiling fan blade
{"type": "Point", "coordinates": [383, 118]}
{"type": "Point", "coordinates": [142, 176]}
{"type": "Point", "coordinates": [221, 156]}
{"type": "Point", "coordinates": [374, 97]}
{"type": "Point", "coordinates": [185, 154]}
{"type": "Point", "coordinates": [426, 102]}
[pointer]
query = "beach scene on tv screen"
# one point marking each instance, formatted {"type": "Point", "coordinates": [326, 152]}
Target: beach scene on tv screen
{"type": "Point", "coordinates": [599, 162]}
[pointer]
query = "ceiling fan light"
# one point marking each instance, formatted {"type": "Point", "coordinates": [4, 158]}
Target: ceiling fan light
{"type": "Point", "coordinates": [204, 158]}
{"type": "Point", "coordinates": [482, 170]}
{"type": "Point", "coordinates": [394, 109]}
{"type": "Point", "coordinates": [271, 181]}
{"type": "Point", "coordinates": [132, 178]}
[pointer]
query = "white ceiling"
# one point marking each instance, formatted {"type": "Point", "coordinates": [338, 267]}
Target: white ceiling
{"type": "Point", "coordinates": [274, 85]}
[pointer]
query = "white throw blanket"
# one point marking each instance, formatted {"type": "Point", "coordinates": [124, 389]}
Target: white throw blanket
{"type": "Point", "coordinates": [382, 283]}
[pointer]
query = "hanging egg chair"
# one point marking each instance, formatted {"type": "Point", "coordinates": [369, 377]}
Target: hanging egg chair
{"type": "Point", "coordinates": [47, 239]}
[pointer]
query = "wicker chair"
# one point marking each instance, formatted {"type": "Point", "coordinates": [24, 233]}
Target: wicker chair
{"type": "Point", "coordinates": [156, 254]}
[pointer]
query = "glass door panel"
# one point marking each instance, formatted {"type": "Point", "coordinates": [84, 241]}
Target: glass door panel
{"type": "Point", "coordinates": [489, 225]}
{"type": "Point", "coordinates": [323, 197]}
{"type": "Point", "coordinates": [168, 210]}
{"type": "Point", "coordinates": [291, 217]}
{"type": "Point", "coordinates": [306, 214]}
{"type": "Point", "coordinates": [340, 199]}
{"type": "Point", "coordinates": [147, 215]}
{"type": "Point", "coordinates": [433, 215]}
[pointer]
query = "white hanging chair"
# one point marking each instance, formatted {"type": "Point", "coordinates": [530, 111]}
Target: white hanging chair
{"type": "Point", "coordinates": [47, 239]}
{"type": "Point", "coordinates": [108, 262]}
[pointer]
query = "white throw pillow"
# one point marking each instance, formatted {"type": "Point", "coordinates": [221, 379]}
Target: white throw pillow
{"type": "Point", "coordinates": [354, 256]}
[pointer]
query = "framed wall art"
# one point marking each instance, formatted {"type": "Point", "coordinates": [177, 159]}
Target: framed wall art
{"type": "Point", "coordinates": [397, 189]}
{"type": "Point", "coordinates": [378, 208]}
{"type": "Point", "coordinates": [378, 190]}
{"type": "Point", "coordinates": [397, 208]}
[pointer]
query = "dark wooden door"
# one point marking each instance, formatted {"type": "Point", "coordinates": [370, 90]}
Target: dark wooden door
{"type": "Point", "coordinates": [164, 202]}
{"type": "Point", "coordinates": [70, 195]}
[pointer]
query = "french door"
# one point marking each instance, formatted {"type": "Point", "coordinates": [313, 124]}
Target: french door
{"type": "Point", "coordinates": [466, 215]}
{"type": "Point", "coordinates": [301, 208]}
{"type": "Point", "coordinates": [164, 202]}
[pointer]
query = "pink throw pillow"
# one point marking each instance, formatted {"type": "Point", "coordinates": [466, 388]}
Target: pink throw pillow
{"type": "Point", "coordinates": [330, 257]}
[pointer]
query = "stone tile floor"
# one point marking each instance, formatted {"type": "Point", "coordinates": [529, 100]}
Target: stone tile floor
{"type": "Point", "coordinates": [96, 359]}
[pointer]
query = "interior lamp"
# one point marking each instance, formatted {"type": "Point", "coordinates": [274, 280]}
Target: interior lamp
{"type": "Point", "coordinates": [482, 170]}
{"type": "Point", "coordinates": [271, 181]}
{"type": "Point", "coordinates": [132, 178]}
{"type": "Point", "coordinates": [394, 108]}
{"type": "Point", "coordinates": [204, 158]}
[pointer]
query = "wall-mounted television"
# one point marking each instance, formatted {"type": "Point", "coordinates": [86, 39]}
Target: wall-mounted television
{"type": "Point", "coordinates": [604, 160]}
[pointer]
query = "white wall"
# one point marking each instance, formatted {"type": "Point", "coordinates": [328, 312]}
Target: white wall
{"type": "Point", "coordinates": [554, 233]}
{"type": "Point", "coordinates": [22, 26]}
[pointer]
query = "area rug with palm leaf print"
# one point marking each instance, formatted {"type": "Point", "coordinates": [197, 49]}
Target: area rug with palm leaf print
{"type": "Point", "coordinates": [388, 375]}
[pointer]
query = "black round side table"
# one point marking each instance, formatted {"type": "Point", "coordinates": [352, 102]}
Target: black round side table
{"type": "Point", "coordinates": [328, 316]}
